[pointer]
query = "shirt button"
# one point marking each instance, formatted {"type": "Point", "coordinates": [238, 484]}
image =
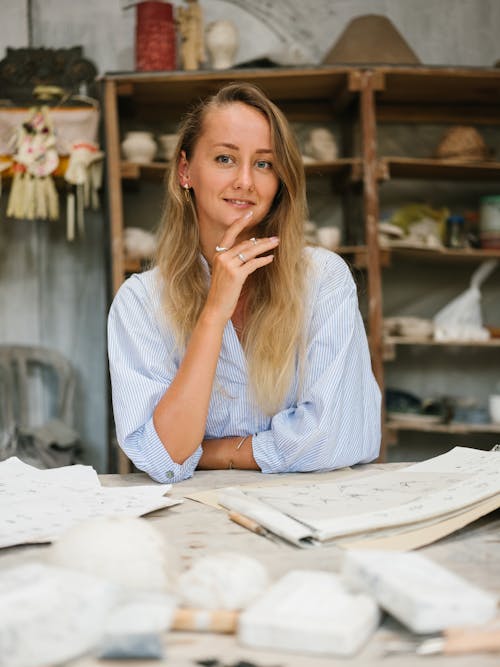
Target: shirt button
{"type": "Point", "coordinates": [169, 474]}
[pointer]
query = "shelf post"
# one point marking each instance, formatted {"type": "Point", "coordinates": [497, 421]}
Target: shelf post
{"type": "Point", "coordinates": [115, 209]}
{"type": "Point", "coordinates": [113, 173]}
{"type": "Point", "coordinates": [369, 82]}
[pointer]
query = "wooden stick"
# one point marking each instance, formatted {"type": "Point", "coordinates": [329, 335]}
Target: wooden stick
{"type": "Point", "coordinates": [249, 524]}
{"type": "Point", "coordinates": [205, 620]}
{"type": "Point", "coordinates": [470, 640]}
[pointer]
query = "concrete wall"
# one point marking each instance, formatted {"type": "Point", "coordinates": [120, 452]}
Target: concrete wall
{"type": "Point", "coordinates": [451, 32]}
{"type": "Point", "coordinates": [55, 294]}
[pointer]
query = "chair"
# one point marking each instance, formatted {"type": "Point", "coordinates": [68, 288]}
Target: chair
{"type": "Point", "coordinates": [37, 387]}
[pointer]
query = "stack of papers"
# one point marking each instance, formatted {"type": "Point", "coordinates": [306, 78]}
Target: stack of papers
{"type": "Point", "coordinates": [419, 503]}
{"type": "Point", "coordinates": [39, 505]}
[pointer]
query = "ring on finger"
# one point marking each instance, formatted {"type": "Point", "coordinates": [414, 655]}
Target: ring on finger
{"type": "Point", "coordinates": [242, 257]}
{"type": "Point", "coordinates": [220, 248]}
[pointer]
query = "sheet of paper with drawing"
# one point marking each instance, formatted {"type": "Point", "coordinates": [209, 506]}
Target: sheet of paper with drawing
{"type": "Point", "coordinates": [383, 504]}
{"type": "Point", "coordinates": [38, 505]}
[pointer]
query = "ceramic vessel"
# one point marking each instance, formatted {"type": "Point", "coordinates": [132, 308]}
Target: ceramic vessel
{"type": "Point", "coordinates": [139, 147]}
{"type": "Point", "coordinates": [321, 145]}
{"type": "Point", "coordinates": [329, 237]}
{"type": "Point", "coordinates": [168, 143]}
{"type": "Point", "coordinates": [494, 407]}
{"type": "Point", "coordinates": [222, 41]}
{"type": "Point", "coordinates": [489, 222]}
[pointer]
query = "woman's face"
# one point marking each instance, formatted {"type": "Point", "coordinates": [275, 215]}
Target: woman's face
{"type": "Point", "coordinates": [231, 169]}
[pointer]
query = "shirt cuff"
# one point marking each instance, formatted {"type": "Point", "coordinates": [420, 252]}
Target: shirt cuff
{"type": "Point", "coordinates": [265, 453]}
{"type": "Point", "coordinates": [152, 458]}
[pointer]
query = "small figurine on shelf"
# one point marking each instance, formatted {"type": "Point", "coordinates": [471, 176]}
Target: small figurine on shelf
{"type": "Point", "coordinates": [190, 22]}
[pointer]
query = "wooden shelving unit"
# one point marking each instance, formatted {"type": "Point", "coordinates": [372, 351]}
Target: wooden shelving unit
{"type": "Point", "coordinates": [448, 96]}
{"type": "Point", "coordinates": [363, 96]}
{"type": "Point", "coordinates": [318, 94]}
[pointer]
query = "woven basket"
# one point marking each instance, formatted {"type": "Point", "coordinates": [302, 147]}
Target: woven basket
{"type": "Point", "coordinates": [462, 143]}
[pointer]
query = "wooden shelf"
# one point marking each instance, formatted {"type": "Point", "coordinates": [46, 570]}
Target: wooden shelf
{"type": "Point", "coordinates": [455, 428]}
{"type": "Point", "coordinates": [312, 93]}
{"type": "Point", "coordinates": [135, 265]}
{"type": "Point", "coordinates": [351, 166]}
{"type": "Point", "coordinates": [404, 340]}
{"type": "Point", "coordinates": [151, 171]}
{"type": "Point", "coordinates": [358, 255]}
{"type": "Point", "coordinates": [390, 343]}
{"type": "Point", "coordinates": [440, 254]}
{"type": "Point", "coordinates": [431, 169]}
{"type": "Point", "coordinates": [448, 95]}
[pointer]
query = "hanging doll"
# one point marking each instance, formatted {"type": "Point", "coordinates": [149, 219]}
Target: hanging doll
{"type": "Point", "coordinates": [33, 194]}
{"type": "Point", "coordinates": [84, 173]}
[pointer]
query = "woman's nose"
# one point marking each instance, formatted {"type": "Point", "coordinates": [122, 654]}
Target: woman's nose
{"type": "Point", "coordinates": [244, 178]}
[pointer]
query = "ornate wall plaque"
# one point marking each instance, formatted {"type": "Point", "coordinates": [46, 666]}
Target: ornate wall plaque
{"type": "Point", "coordinates": [24, 69]}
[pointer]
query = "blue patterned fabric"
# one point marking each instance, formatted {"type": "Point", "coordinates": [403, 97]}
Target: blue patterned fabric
{"type": "Point", "coordinates": [332, 415]}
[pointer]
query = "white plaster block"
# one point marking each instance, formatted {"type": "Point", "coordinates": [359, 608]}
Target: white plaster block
{"type": "Point", "coordinates": [419, 593]}
{"type": "Point", "coordinates": [309, 612]}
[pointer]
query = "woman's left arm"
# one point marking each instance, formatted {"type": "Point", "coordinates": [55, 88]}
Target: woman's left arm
{"type": "Point", "coordinates": [335, 421]}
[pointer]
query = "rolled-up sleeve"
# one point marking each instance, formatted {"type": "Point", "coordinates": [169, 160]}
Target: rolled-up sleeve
{"type": "Point", "coordinates": [336, 420]}
{"type": "Point", "coordinates": [142, 366]}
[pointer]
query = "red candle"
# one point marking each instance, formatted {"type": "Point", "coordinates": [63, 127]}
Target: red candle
{"type": "Point", "coordinates": [155, 47]}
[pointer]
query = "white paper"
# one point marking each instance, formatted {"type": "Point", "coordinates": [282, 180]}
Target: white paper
{"type": "Point", "coordinates": [39, 505]}
{"type": "Point", "coordinates": [265, 515]}
{"type": "Point", "coordinates": [444, 485]}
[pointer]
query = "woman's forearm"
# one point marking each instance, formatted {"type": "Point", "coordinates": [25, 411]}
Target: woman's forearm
{"type": "Point", "coordinates": [180, 416]}
{"type": "Point", "coordinates": [232, 452]}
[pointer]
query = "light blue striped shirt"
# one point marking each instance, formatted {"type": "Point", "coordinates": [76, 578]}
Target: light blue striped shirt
{"type": "Point", "coordinates": [332, 418]}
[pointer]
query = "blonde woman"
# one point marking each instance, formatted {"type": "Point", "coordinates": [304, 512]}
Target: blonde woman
{"type": "Point", "coordinates": [241, 348]}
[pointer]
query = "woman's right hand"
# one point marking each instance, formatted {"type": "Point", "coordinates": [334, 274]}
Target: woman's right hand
{"type": "Point", "coordinates": [232, 266]}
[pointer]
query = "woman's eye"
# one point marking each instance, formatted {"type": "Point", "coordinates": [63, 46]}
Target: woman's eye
{"type": "Point", "coordinates": [264, 164]}
{"type": "Point", "coordinates": [224, 159]}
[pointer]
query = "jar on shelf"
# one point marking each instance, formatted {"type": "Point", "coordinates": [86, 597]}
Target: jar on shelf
{"type": "Point", "coordinates": [155, 36]}
{"type": "Point", "coordinates": [489, 221]}
{"type": "Point", "coordinates": [139, 146]}
{"type": "Point", "coordinates": [455, 231]}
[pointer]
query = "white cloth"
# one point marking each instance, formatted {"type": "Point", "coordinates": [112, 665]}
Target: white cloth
{"type": "Point", "coordinates": [332, 421]}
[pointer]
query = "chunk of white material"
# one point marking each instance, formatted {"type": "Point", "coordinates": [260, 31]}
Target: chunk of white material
{"type": "Point", "coordinates": [49, 615]}
{"type": "Point", "coordinates": [309, 612]}
{"type": "Point", "coordinates": [226, 580]}
{"type": "Point", "coordinates": [127, 551]}
{"type": "Point", "coordinates": [421, 594]}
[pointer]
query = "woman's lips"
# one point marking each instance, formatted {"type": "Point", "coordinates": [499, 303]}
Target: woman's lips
{"type": "Point", "coordinates": [240, 203]}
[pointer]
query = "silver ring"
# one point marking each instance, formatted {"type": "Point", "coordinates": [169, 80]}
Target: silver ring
{"type": "Point", "coordinates": [242, 257]}
{"type": "Point", "coordinates": [219, 248]}
{"type": "Point", "coordinates": [254, 240]}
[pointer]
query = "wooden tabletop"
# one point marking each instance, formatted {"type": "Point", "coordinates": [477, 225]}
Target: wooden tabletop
{"type": "Point", "coordinates": [197, 529]}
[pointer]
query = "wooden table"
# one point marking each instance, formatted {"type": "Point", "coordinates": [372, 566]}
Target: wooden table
{"type": "Point", "coordinates": [197, 529]}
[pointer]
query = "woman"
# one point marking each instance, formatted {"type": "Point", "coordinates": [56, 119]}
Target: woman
{"type": "Point", "coordinates": [241, 348]}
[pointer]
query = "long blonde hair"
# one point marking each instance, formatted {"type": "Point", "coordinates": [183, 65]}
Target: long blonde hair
{"type": "Point", "coordinates": [273, 333]}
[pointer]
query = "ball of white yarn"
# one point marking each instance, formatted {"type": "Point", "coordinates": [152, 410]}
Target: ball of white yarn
{"type": "Point", "coordinates": [225, 580]}
{"type": "Point", "coordinates": [126, 551]}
